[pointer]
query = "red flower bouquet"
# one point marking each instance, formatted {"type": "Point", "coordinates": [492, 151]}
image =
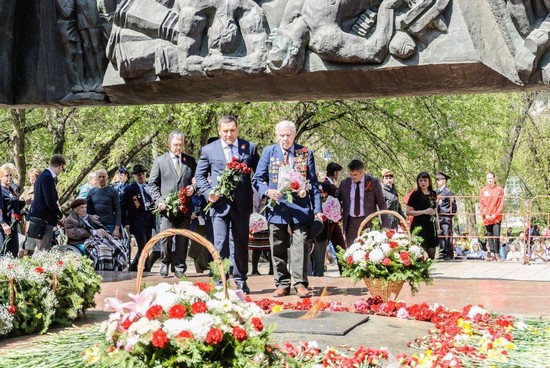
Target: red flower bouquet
{"type": "Point", "coordinates": [230, 176]}
{"type": "Point", "coordinates": [177, 204]}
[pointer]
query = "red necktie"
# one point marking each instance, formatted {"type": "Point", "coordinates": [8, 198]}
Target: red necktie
{"type": "Point", "coordinates": [357, 201]}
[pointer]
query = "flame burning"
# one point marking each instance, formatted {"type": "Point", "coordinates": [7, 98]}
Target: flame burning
{"type": "Point", "coordinates": [316, 308]}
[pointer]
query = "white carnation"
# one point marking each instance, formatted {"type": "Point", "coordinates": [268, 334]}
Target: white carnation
{"type": "Point", "coordinates": [359, 256]}
{"type": "Point", "coordinates": [166, 299]}
{"type": "Point", "coordinates": [380, 237]}
{"type": "Point", "coordinates": [174, 326]}
{"type": "Point", "coordinates": [376, 256]}
{"type": "Point", "coordinates": [143, 326]}
{"type": "Point", "coordinates": [416, 251]}
{"type": "Point", "coordinates": [385, 248]}
{"type": "Point", "coordinates": [200, 325]}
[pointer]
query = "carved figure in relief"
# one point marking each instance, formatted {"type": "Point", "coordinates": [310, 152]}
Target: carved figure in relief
{"type": "Point", "coordinates": [532, 21]}
{"type": "Point", "coordinates": [68, 30]}
{"type": "Point", "coordinates": [351, 31]}
{"type": "Point", "coordinates": [193, 37]}
{"type": "Point", "coordinates": [89, 27]}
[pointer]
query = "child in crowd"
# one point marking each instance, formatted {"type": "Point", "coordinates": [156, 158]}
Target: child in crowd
{"type": "Point", "coordinates": [514, 254]}
{"type": "Point", "coordinates": [538, 253]}
{"type": "Point", "coordinates": [476, 252]}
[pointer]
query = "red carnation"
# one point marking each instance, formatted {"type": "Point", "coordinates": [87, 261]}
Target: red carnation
{"type": "Point", "coordinates": [128, 322]}
{"type": "Point", "coordinates": [239, 333]}
{"type": "Point", "coordinates": [390, 233]}
{"type": "Point", "coordinates": [199, 307]}
{"type": "Point", "coordinates": [206, 287]}
{"type": "Point", "coordinates": [304, 149]}
{"type": "Point", "coordinates": [386, 261]}
{"type": "Point", "coordinates": [177, 311]}
{"type": "Point", "coordinates": [154, 312]}
{"type": "Point", "coordinates": [11, 309]}
{"type": "Point", "coordinates": [185, 334]}
{"type": "Point", "coordinates": [257, 323]}
{"type": "Point", "coordinates": [39, 269]}
{"type": "Point", "coordinates": [60, 263]}
{"type": "Point", "coordinates": [367, 256]}
{"type": "Point", "coordinates": [349, 261]}
{"type": "Point", "coordinates": [393, 244]}
{"type": "Point", "coordinates": [214, 336]}
{"type": "Point", "coordinates": [159, 339]}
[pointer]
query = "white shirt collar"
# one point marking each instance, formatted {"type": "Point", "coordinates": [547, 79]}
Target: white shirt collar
{"type": "Point", "coordinates": [53, 174]}
{"type": "Point", "coordinates": [225, 145]}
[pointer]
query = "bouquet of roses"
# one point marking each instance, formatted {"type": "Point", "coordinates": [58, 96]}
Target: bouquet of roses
{"type": "Point", "coordinates": [177, 203]}
{"type": "Point", "coordinates": [291, 182]}
{"type": "Point", "coordinates": [183, 325]}
{"type": "Point", "coordinates": [228, 179]}
{"type": "Point", "coordinates": [332, 209]}
{"type": "Point", "coordinates": [386, 255]}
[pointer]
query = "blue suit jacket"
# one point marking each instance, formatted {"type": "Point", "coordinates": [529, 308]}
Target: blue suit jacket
{"type": "Point", "coordinates": [301, 210]}
{"type": "Point", "coordinates": [212, 161]}
{"type": "Point", "coordinates": [44, 204]}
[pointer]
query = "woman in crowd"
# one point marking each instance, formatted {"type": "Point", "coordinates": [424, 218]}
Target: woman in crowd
{"type": "Point", "coordinates": [11, 214]}
{"type": "Point", "coordinates": [421, 206]}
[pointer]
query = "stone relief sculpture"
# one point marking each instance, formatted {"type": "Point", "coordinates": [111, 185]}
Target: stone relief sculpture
{"type": "Point", "coordinates": [175, 38]}
{"type": "Point", "coordinates": [351, 31]}
{"type": "Point", "coordinates": [531, 19]}
{"type": "Point", "coordinates": [188, 38]}
{"type": "Point", "coordinates": [82, 34]}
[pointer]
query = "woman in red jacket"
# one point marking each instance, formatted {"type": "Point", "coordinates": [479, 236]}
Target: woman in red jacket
{"type": "Point", "coordinates": [491, 204]}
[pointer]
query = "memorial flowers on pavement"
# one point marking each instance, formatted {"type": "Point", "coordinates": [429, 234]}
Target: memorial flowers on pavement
{"type": "Point", "coordinates": [184, 325]}
{"type": "Point", "coordinates": [177, 203]}
{"type": "Point", "coordinates": [386, 255]}
{"type": "Point", "coordinates": [228, 179]}
{"type": "Point", "coordinates": [49, 288]}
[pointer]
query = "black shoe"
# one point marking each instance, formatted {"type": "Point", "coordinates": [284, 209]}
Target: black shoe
{"type": "Point", "coordinates": [256, 272]}
{"type": "Point", "coordinates": [164, 270]}
{"type": "Point", "coordinates": [244, 287]}
{"type": "Point", "coordinates": [179, 273]}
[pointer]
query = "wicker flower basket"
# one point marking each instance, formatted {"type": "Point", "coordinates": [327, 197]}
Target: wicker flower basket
{"type": "Point", "coordinates": [386, 289]}
{"type": "Point", "coordinates": [189, 234]}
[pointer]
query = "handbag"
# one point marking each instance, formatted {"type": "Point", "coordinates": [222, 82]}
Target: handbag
{"type": "Point", "coordinates": [37, 228]}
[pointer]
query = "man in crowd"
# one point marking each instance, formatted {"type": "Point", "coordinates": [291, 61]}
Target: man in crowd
{"type": "Point", "coordinates": [360, 195]}
{"type": "Point", "coordinates": [137, 218]}
{"type": "Point", "coordinates": [229, 215]}
{"type": "Point", "coordinates": [391, 196]}
{"type": "Point", "coordinates": [446, 209]}
{"type": "Point", "coordinates": [104, 202]}
{"type": "Point", "coordinates": [289, 222]}
{"type": "Point", "coordinates": [44, 207]}
{"type": "Point", "coordinates": [172, 171]}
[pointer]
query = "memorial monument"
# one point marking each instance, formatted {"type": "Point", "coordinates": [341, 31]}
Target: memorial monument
{"type": "Point", "coordinates": [74, 52]}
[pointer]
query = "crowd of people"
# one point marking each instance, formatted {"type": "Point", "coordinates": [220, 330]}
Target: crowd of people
{"type": "Point", "coordinates": [106, 215]}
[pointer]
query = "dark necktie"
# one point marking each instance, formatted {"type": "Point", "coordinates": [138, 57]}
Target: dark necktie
{"type": "Point", "coordinates": [285, 155]}
{"type": "Point", "coordinates": [357, 201]}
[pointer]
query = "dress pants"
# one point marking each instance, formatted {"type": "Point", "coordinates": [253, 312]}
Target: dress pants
{"type": "Point", "coordinates": [177, 255]}
{"type": "Point", "coordinates": [352, 228]}
{"type": "Point", "coordinates": [445, 237]}
{"type": "Point", "coordinates": [231, 240]}
{"type": "Point", "coordinates": [280, 241]}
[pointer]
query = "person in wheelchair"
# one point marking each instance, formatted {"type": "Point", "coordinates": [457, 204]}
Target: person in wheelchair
{"type": "Point", "coordinates": [107, 252]}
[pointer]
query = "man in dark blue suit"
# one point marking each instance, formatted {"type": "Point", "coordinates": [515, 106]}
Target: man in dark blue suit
{"type": "Point", "coordinates": [137, 217]}
{"type": "Point", "coordinates": [44, 206]}
{"type": "Point", "coordinates": [297, 215]}
{"type": "Point", "coordinates": [229, 214]}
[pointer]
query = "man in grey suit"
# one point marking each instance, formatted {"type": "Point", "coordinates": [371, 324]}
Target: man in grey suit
{"type": "Point", "coordinates": [360, 195]}
{"type": "Point", "coordinates": [170, 172]}
{"type": "Point", "coordinates": [229, 214]}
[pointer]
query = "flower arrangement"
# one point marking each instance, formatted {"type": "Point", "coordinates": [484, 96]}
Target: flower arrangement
{"type": "Point", "coordinates": [184, 325]}
{"type": "Point", "coordinates": [257, 223]}
{"type": "Point", "coordinates": [386, 255]}
{"type": "Point", "coordinates": [177, 203]}
{"type": "Point", "coordinates": [332, 209]}
{"type": "Point", "coordinates": [228, 179]}
{"type": "Point", "coordinates": [49, 288]}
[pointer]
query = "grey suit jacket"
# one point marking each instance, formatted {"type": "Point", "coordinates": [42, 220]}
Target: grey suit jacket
{"type": "Point", "coordinates": [373, 199]}
{"type": "Point", "coordinates": [164, 179]}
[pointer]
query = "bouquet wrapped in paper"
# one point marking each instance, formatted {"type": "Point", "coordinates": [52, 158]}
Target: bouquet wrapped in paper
{"type": "Point", "coordinates": [332, 209]}
{"type": "Point", "coordinates": [291, 182]}
{"type": "Point", "coordinates": [257, 223]}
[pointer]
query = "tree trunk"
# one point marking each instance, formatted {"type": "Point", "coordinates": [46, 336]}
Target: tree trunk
{"type": "Point", "coordinates": [19, 118]}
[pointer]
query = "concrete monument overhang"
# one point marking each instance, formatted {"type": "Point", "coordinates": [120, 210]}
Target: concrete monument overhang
{"type": "Point", "coordinates": [169, 51]}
